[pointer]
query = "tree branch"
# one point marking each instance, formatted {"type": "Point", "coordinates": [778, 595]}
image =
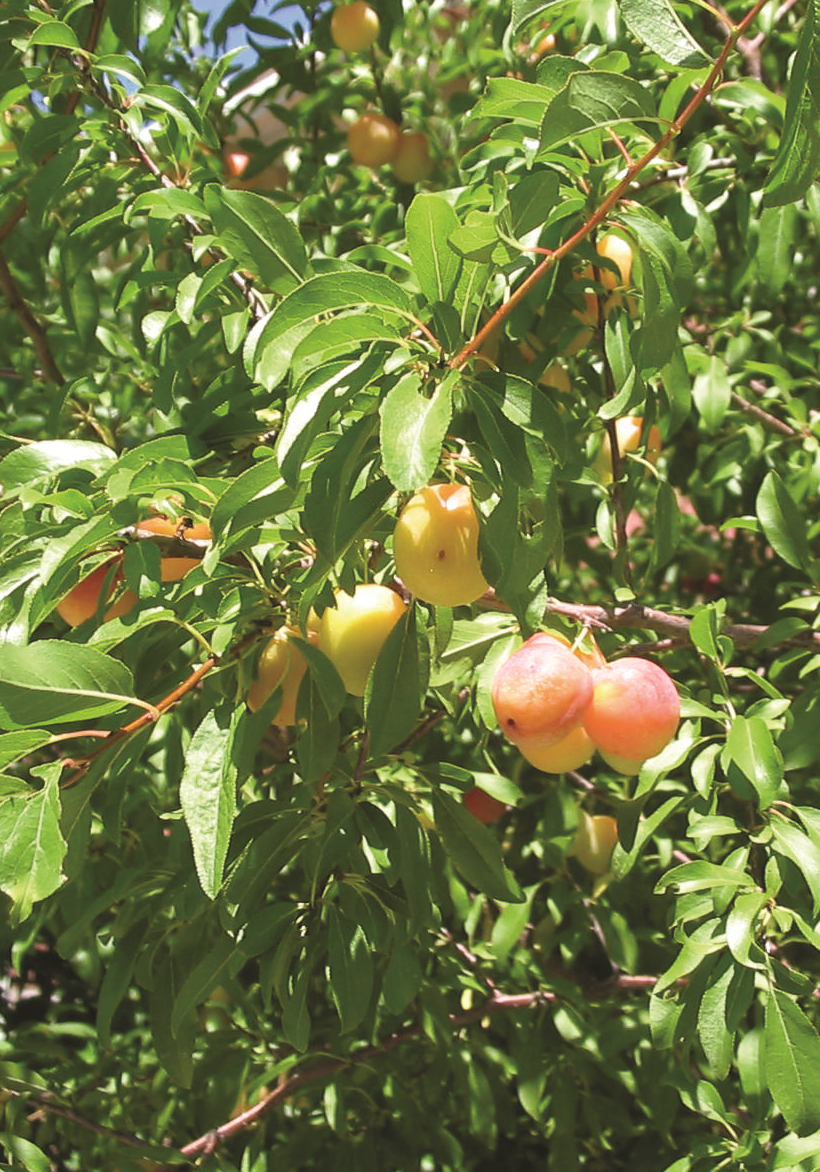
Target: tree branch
{"type": "Point", "coordinates": [30, 323]}
{"type": "Point", "coordinates": [497, 1003]}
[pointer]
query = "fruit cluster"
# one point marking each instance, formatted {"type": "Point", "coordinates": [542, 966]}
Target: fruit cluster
{"type": "Point", "coordinates": [557, 705]}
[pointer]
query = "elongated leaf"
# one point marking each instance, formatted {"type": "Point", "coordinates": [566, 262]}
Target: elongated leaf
{"type": "Point", "coordinates": [15, 745]}
{"type": "Point", "coordinates": [803, 850]}
{"type": "Point", "coordinates": [220, 962]}
{"type": "Point", "coordinates": [32, 848]}
{"type": "Point", "coordinates": [474, 850]}
{"type": "Point", "coordinates": [318, 744]}
{"type": "Point", "coordinates": [207, 794]}
{"type": "Point", "coordinates": [412, 431]}
{"type": "Point", "coordinates": [430, 220]}
{"type": "Point", "coordinates": [792, 1062]}
{"type": "Point", "coordinates": [350, 969]}
{"type": "Point", "coordinates": [592, 99]}
{"type": "Point", "coordinates": [797, 162]}
{"type": "Point", "coordinates": [775, 248]}
{"type": "Point", "coordinates": [324, 392]}
{"type": "Point", "coordinates": [258, 236]}
{"type": "Point", "coordinates": [50, 682]}
{"type": "Point", "coordinates": [396, 687]}
{"type": "Point", "coordinates": [783, 523]}
{"type": "Point", "coordinates": [257, 495]}
{"type": "Point", "coordinates": [656, 23]}
{"type": "Point", "coordinates": [750, 747]}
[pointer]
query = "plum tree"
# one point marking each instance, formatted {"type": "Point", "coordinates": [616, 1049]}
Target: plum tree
{"type": "Point", "coordinates": [595, 840]}
{"type": "Point", "coordinates": [629, 432]}
{"type": "Point", "coordinates": [435, 546]}
{"type": "Point", "coordinates": [412, 162]}
{"type": "Point", "coordinates": [541, 692]}
{"type": "Point", "coordinates": [633, 713]}
{"type": "Point", "coordinates": [354, 27]}
{"type": "Point", "coordinates": [352, 633]}
{"type": "Point", "coordinates": [373, 139]}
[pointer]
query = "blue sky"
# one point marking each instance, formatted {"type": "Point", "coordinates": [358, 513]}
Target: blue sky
{"type": "Point", "coordinates": [216, 7]}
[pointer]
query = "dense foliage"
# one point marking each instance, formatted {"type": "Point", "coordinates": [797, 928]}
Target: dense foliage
{"type": "Point", "coordinates": [255, 947]}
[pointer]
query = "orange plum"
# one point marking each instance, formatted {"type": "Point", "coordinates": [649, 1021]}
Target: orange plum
{"type": "Point", "coordinates": [634, 711]}
{"type": "Point", "coordinates": [541, 693]}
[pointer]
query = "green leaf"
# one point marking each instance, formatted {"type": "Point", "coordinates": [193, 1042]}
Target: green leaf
{"type": "Point", "coordinates": [268, 351]}
{"type": "Point", "coordinates": [667, 525]}
{"type": "Point", "coordinates": [804, 851]}
{"type": "Point", "coordinates": [258, 237]}
{"type": "Point", "coordinates": [402, 978]}
{"type": "Point", "coordinates": [474, 849]}
{"type": "Point", "coordinates": [259, 494]}
{"type": "Point", "coordinates": [775, 247]}
{"type": "Point", "coordinates": [412, 431]}
{"type": "Point", "coordinates": [350, 969]}
{"type": "Point", "coordinates": [656, 23]}
{"type": "Point", "coordinates": [712, 393]}
{"type": "Point", "coordinates": [317, 746]}
{"type": "Point", "coordinates": [396, 687]}
{"type": "Point", "coordinates": [750, 747]}
{"type": "Point", "coordinates": [26, 1154]}
{"type": "Point", "coordinates": [430, 220]}
{"type": "Point", "coordinates": [32, 848]}
{"type": "Point", "coordinates": [701, 876]}
{"type": "Point", "coordinates": [792, 1062]}
{"type": "Point", "coordinates": [15, 745]}
{"type": "Point", "coordinates": [173, 102]}
{"type": "Point", "coordinates": [783, 523]}
{"type": "Point", "coordinates": [55, 33]}
{"type": "Point", "coordinates": [323, 393]}
{"type": "Point", "coordinates": [214, 968]}
{"type": "Point", "coordinates": [50, 682]}
{"type": "Point", "coordinates": [207, 794]}
{"type": "Point", "coordinates": [591, 100]}
{"type": "Point", "coordinates": [797, 162]}
{"type": "Point", "coordinates": [174, 1051]}
{"type": "Point", "coordinates": [39, 463]}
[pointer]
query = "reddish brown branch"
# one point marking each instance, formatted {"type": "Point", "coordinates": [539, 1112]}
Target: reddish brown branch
{"type": "Point", "coordinates": [615, 196]}
{"type": "Point", "coordinates": [636, 617]}
{"type": "Point", "coordinates": [140, 722]}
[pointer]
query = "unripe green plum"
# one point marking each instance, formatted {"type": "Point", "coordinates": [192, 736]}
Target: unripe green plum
{"type": "Point", "coordinates": [634, 711]}
{"type": "Point", "coordinates": [353, 632]}
{"type": "Point", "coordinates": [435, 546]}
{"type": "Point", "coordinates": [595, 841]}
{"type": "Point", "coordinates": [541, 693]}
